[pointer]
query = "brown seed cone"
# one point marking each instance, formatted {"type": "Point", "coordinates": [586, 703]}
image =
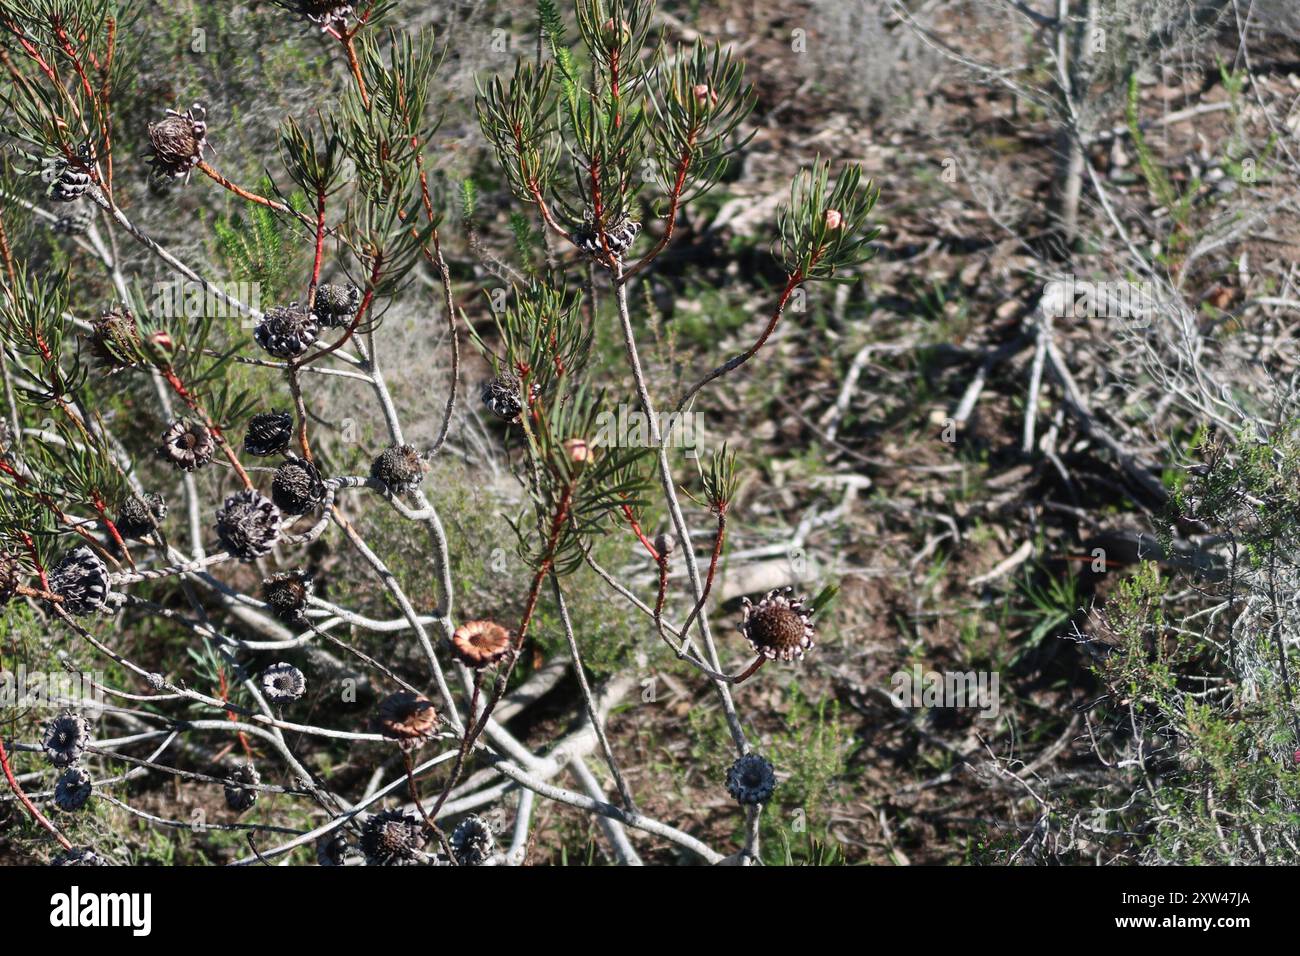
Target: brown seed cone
{"type": "Point", "coordinates": [177, 142]}
{"type": "Point", "coordinates": [188, 444]}
{"type": "Point", "coordinates": [480, 644]}
{"type": "Point", "coordinates": [400, 468]}
{"type": "Point", "coordinates": [287, 595]}
{"type": "Point", "coordinates": [115, 339]}
{"type": "Point", "coordinates": [248, 525]}
{"type": "Point", "coordinates": [406, 717]}
{"type": "Point", "coordinates": [778, 628]}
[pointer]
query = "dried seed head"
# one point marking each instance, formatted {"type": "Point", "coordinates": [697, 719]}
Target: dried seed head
{"type": "Point", "coordinates": [177, 142]}
{"type": "Point", "coordinates": [115, 338]}
{"type": "Point", "coordinates": [75, 222]}
{"type": "Point", "coordinates": [81, 579]}
{"type": "Point", "coordinates": [777, 627]}
{"type": "Point", "coordinates": [751, 779]}
{"type": "Point", "coordinates": [283, 683]}
{"type": "Point", "coordinates": [480, 644]}
{"type": "Point", "coordinates": [335, 305]}
{"type": "Point", "coordinates": [297, 487]}
{"type": "Point", "coordinates": [406, 717]}
{"type": "Point", "coordinates": [240, 787]}
{"type": "Point", "coordinates": [140, 516]}
{"type": "Point", "coordinates": [392, 838]}
{"type": "Point", "coordinates": [287, 332]}
{"type": "Point", "coordinates": [71, 180]}
{"type": "Point", "coordinates": [472, 841]}
{"type": "Point", "coordinates": [327, 13]}
{"type": "Point", "coordinates": [619, 235]}
{"type": "Point", "coordinates": [268, 434]}
{"type": "Point", "coordinates": [188, 444]}
{"type": "Point", "coordinates": [248, 525]}
{"type": "Point", "coordinates": [834, 220]}
{"type": "Point", "coordinates": [287, 595]}
{"type": "Point", "coordinates": [501, 396]}
{"type": "Point", "coordinates": [333, 849]}
{"type": "Point", "coordinates": [73, 789]}
{"type": "Point", "coordinates": [9, 577]}
{"type": "Point", "coordinates": [65, 738]}
{"type": "Point", "coordinates": [400, 468]}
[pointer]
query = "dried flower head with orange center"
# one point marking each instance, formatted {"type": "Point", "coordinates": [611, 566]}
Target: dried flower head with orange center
{"type": "Point", "coordinates": [480, 644]}
{"type": "Point", "coordinates": [406, 717]}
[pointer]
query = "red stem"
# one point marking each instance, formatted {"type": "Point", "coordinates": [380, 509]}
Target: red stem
{"type": "Point", "coordinates": [795, 280]}
{"type": "Point", "coordinates": [472, 733]}
{"type": "Point", "coordinates": [98, 503]}
{"type": "Point", "coordinates": [239, 191]}
{"type": "Point", "coordinates": [106, 124]}
{"type": "Point", "coordinates": [27, 804]}
{"type": "Point", "coordinates": [713, 568]}
{"type": "Point", "coordinates": [76, 63]}
{"type": "Point", "coordinates": [675, 201]}
{"type": "Point", "coordinates": [636, 528]}
{"type": "Point", "coordinates": [320, 247]}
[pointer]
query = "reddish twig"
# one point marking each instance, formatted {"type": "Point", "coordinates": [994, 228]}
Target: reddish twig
{"type": "Point", "coordinates": [636, 529]}
{"type": "Point", "coordinates": [355, 66]}
{"type": "Point", "coordinates": [30, 807]}
{"type": "Point", "coordinates": [98, 504]}
{"type": "Point", "coordinates": [674, 206]}
{"type": "Point", "coordinates": [241, 192]}
{"type": "Point", "coordinates": [105, 99]}
{"type": "Point", "coordinates": [792, 283]}
{"type": "Point", "coordinates": [320, 246]}
{"type": "Point", "coordinates": [475, 729]}
{"type": "Point", "coordinates": [718, 539]}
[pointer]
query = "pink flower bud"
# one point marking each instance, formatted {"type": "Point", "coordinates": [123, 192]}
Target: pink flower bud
{"type": "Point", "coordinates": [703, 92]}
{"type": "Point", "coordinates": [834, 219]}
{"type": "Point", "coordinates": [579, 451]}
